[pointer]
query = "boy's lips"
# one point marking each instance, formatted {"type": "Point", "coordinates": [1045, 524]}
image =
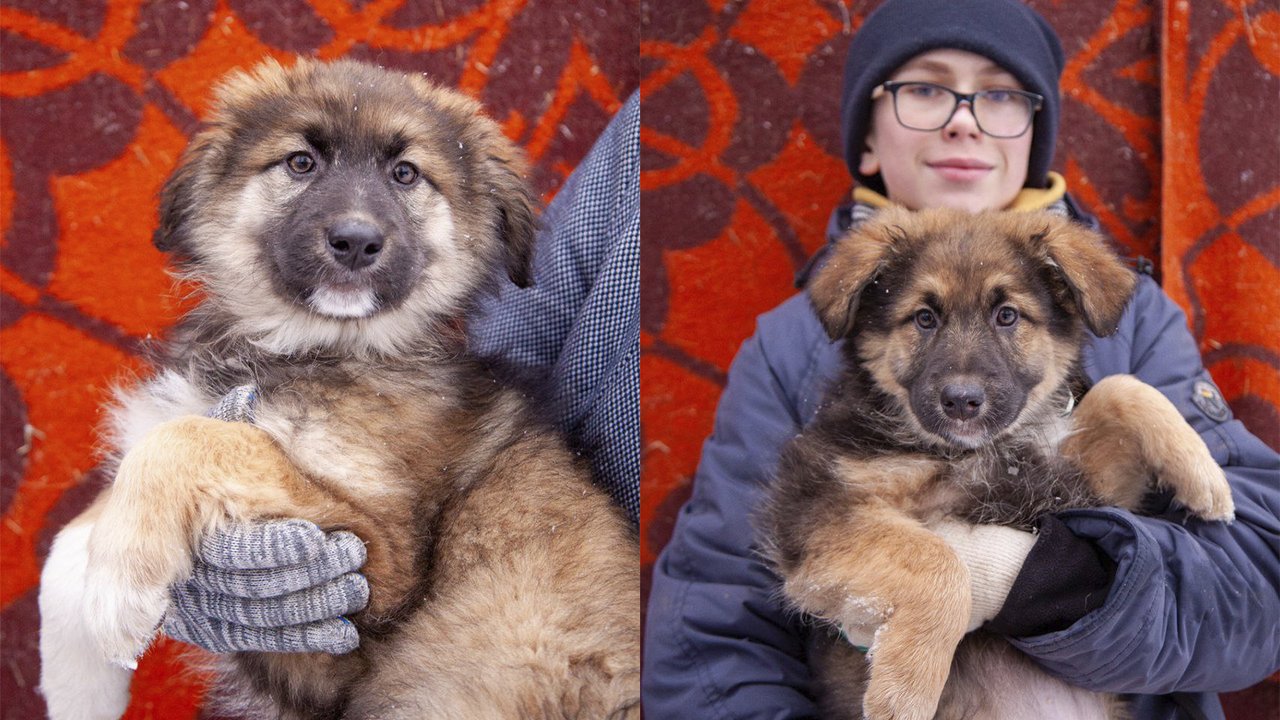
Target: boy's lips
{"type": "Point", "coordinates": [960, 169]}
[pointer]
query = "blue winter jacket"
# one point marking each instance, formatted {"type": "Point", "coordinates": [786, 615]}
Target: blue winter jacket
{"type": "Point", "coordinates": [1193, 609]}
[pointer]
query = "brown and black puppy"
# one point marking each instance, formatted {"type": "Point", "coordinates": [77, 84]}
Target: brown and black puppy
{"type": "Point", "coordinates": [340, 221]}
{"type": "Point", "coordinates": [962, 339]}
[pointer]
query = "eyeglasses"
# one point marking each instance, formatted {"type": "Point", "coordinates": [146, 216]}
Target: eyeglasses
{"type": "Point", "coordinates": [1000, 113]}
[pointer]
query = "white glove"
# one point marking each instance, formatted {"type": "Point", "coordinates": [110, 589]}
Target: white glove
{"type": "Point", "coordinates": [993, 554]}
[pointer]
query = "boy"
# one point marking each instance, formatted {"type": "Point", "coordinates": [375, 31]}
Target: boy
{"type": "Point", "coordinates": [936, 113]}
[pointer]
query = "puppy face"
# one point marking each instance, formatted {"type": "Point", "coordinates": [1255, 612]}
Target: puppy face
{"type": "Point", "coordinates": [342, 206]}
{"type": "Point", "coordinates": [970, 324]}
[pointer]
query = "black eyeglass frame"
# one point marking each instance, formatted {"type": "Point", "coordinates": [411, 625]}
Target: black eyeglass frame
{"type": "Point", "coordinates": [891, 87]}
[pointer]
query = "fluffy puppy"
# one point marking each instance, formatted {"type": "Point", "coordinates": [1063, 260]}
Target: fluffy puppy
{"type": "Point", "coordinates": [962, 339]}
{"type": "Point", "coordinates": [339, 221]}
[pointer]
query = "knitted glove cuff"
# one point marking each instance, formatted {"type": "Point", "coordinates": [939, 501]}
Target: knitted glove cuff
{"type": "Point", "coordinates": [237, 405]}
{"type": "Point", "coordinates": [994, 555]}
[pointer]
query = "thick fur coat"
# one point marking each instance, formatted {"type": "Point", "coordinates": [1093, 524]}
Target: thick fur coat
{"type": "Point", "coordinates": [962, 340]}
{"type": "Point", "coordinates": [338, 223]}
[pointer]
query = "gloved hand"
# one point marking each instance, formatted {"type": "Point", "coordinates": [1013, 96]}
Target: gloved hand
{"type": "Point", "coordinates": [279, 586]}
{"type": "Point", "coordinates": [993, 554]}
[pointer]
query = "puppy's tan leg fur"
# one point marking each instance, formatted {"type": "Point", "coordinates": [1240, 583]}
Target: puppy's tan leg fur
{"type": "Point", "coordinates": [182, 480]}
{"type": "Point", "coordinates": [526, 555]}
{"type": "Point", "coordinates": [914, 579]}
{"type": "Point", "coordinates": [1125, 431]}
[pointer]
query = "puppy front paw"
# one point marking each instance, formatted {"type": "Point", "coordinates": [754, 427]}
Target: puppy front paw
{"type": "Point", "coordinates": [122, 615]}
{"type": "Point", "coordinates": [1199, 484]}
{"type": "Point", "coordinates": [886, 700]}
{"type": "Point", "coordinates": [907, 671]}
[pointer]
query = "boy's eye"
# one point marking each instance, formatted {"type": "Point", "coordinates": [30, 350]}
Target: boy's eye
{"type": "Point", "coordinates": [921, 90]}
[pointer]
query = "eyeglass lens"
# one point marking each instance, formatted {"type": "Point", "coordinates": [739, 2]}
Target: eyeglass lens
{"type": "Point", "coordinates": [999, 113]}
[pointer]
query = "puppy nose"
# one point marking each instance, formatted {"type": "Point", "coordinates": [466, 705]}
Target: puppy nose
{"type": "Point", "coordinates": [962, 401]}
{"type": "Point", "coordinates": [355, 243]}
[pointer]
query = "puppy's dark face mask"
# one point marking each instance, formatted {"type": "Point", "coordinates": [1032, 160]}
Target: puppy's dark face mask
{"type": "Point", "coordinates": [354, 221]}
{"type": "Point", "coordinates": [979, 340]}
{"type": "Point", "coordinates": [333, 205]}
{"type": "Point", "coordinates": [968, 325]}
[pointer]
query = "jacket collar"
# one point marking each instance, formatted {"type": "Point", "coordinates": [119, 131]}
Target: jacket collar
{"type": "Point", "coordinates": [1026, 200]}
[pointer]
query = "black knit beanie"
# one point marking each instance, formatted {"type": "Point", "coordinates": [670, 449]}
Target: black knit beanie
{"type": "Point", "coordinates": [1006, 31]}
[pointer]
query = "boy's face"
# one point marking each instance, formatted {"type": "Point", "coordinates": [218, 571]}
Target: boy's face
{"type": "Point", "coordinates": [956, 166]}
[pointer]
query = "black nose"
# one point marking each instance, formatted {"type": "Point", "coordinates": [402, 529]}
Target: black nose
{"type": "Point", "coordinates": [962, 401]}
{"type": "Point", "coordinates": [355, 243]}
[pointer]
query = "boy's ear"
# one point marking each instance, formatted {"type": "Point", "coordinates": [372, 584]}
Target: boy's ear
{"type": "Point", "coordinates": [1099, 282]}
{"type": "Point", "coordinates": [855, 261]}
{"type": "Point", "coordinates": [870, 163]}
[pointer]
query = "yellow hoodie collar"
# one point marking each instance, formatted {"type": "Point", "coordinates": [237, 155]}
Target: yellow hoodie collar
{"type": "Point", "coordinates": [1026, 200]}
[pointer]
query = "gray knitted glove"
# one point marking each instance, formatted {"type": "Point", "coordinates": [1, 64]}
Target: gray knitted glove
{"type": "Point", "coordinates": [279, 586]}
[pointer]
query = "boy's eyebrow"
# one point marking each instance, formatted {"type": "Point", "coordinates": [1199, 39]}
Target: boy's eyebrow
{"type": "Point", "coordinates": [925, 65]}
{"type": "Point", "coordinates": [942, 69]}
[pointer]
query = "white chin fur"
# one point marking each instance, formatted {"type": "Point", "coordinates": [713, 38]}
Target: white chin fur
{"type": "Point", "coordinates": [343, 303]}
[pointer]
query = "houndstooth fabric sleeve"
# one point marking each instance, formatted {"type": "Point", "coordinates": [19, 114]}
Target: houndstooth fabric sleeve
{"type": "Point", "coordinates": [580, 321]}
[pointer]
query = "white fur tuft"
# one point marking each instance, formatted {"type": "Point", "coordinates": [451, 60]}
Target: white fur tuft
{"type": "Point", "coordinates": [136, 410]}
{"type": "Point", "coordinates": [343, 303]}
{"type": "Point", "coordinates": [122, 616]}
{"type": "Point", "coordinates": [77, 681]}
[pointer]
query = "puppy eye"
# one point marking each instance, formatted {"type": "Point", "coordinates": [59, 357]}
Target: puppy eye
{"type": "Point", "coordinates": [405, 173]}
{"type": "Point", "coordinates": [300, 163]}
{"type": "Point", "coordinates": [926, 320]}
{"type": "Point", "coordinates": [1006, 316]}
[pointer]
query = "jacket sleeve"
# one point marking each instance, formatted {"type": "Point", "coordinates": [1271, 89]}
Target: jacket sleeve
{"type": "Point", "coordinates": [1194, 605]}
{"type": "Point", "coordinates": [717, 642]}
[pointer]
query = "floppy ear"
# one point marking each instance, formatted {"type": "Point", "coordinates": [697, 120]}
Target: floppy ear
{"type": "Point", "coordinates": [1099, 282]}
{"type": "Point", "coordinates": [855, 261]}
{"type": "Point", "coordinates": [516, 223]}
{"type": "Point", "coordinates": [190, 179]}
{"type": "Point", "coordinates": [178, 198]}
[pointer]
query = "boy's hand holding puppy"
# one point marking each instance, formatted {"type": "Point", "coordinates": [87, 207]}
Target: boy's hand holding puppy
{"type": "Point", "coordinates": [273, 586]}
{"type": "Point", "coordinates": [993, 554]}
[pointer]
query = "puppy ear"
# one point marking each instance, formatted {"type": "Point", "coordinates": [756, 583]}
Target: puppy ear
{"type": "Point", "coordinates": [519, 228]}
{"type": "Point", "coordinates": [178, 198]}
{"type": "Point", "coordinates": [516, 222]}
{"type": "Point", "coordinates": [855, 261]}
{"type": "Point", "coordinates": [1099, 282]}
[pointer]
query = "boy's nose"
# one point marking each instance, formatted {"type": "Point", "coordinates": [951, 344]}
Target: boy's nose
{"type": "Point", "coordinates": [962, 120]}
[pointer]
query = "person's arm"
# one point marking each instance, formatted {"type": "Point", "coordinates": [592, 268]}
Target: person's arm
{"type": "Point", "coordinates": [1193, 605]}
{"type": "Point", "coordinates": [718, 643]}
{"type": "Point", "coordinates": [579, 324]}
